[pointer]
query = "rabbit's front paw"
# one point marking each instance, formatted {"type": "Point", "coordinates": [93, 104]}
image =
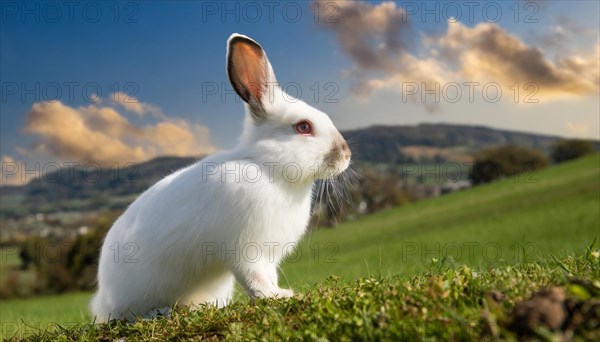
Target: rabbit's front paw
{"type": "Point", "coordinates": [284, 293]}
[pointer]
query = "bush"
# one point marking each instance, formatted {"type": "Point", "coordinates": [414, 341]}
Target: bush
{"type": "Point", "coordinates": [569, 149]}
{"type": "Point", "coordinates": [500, 162]}
{"type": "Point", "coordinates": [371, 192]}
{"type": "Point", "coordinates": [82, 259]}
{"type": "Point", "coordinates": [62, 264]}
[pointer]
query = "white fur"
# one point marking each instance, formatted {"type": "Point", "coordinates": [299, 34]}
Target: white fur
{"type": "Point", "coordinates": [233, 215]}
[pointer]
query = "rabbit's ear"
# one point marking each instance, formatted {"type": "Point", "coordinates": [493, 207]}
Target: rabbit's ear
{"type": "Point", "coordinates": [250, 73]}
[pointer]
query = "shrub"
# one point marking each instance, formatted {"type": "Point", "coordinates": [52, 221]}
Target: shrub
{"type": "Point", "coordinates": [372, 191]}
{"type": "Point", "coordinates": [11, 286]}
{"type": "Point", "coordinates": [569, 149]}
{"type": "Point", "coordinates": [63, 264]}
{"type": "Point", "coordinates": [500, 162]}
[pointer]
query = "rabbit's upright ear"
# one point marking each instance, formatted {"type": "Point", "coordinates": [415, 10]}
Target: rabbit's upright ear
{"type": "Point", "coordinates": [250, 73]}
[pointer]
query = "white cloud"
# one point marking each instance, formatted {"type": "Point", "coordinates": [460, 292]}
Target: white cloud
{"type": "Point", "coordinates": [133, 105]}
{"type": "Point", "coordinates": [374, 37]}
{"type": "Point", "coordinates": [103, 135]}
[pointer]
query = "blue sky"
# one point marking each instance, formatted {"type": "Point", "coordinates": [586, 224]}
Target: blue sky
{"type": "Point", "coordinates": [166, 54]}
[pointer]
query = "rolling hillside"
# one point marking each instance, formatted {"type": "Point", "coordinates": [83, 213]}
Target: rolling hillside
{"type": "Point", "coordinates": [511, 221]}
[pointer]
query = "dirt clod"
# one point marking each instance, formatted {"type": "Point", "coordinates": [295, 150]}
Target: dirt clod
{"type": "Point", "coordinates": [555, 310]}
{"type": "Point", "coordinates": [545, 308]}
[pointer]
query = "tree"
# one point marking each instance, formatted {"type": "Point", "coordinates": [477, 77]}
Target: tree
{"type": "Point", "coordinates": [568, 149]}
{"type": "Point", "coordinates": [500, 162]}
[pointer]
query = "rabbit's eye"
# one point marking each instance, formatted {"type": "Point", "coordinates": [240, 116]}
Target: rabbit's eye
{"type": "Point", "coordinates": [304, 127]}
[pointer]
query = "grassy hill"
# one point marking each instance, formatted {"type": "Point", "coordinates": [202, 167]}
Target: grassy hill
{"type": "Point", "coordinates": [510, 221]}
{"type": "Point", "coordinates": [489, 228]}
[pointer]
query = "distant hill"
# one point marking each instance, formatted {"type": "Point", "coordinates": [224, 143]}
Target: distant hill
{"type": "Point", "coordinates": [109, 188]}
{"type": "Point", "coordinates": [86, 190]}
{"type": "Point", "coordinates": [128, 179]}
{"type": "Point", "coordinates": [437, 142]}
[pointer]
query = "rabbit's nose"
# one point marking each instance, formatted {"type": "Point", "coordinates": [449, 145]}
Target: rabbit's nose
{"type": "Point", "coordinates": [346, 150]}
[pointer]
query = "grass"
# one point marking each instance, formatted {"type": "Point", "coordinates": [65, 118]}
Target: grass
{"type": "Point", "coordinates": [453, 304]}
{"type": "Point", "coordinates": [22, 317]}
{"type": "Point", "coordinates": [513, 226]}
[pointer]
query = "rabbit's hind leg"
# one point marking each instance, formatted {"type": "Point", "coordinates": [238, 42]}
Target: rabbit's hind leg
{"type": "Point", "coordinates": [218, 293]}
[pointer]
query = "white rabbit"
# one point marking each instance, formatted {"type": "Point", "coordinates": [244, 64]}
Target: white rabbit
{"type": "Point", "coordinates": [233, 215]}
